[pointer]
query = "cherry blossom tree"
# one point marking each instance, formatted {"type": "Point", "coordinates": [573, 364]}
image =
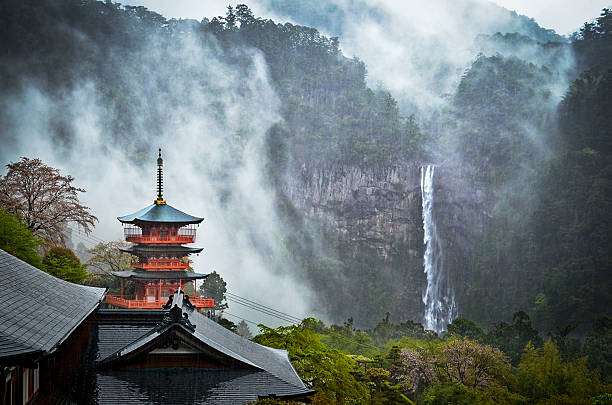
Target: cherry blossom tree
{"type": "Point", "coordinates": [44, 200]}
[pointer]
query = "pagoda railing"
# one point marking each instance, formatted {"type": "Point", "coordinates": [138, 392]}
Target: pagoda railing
{"type": "Point", "coordinates": [160, 239]}
{"type": "Point", "coordinates": [129, 302]}
{"type": "Point", "coordinates": [161, 264]}
{"type": "Point", "coordinates": [185, 234]}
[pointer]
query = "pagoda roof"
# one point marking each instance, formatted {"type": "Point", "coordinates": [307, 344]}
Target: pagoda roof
{"type": "Point", "coordinates": [156, 275]}
{"type": "Point", "coordinates": [163, 213]}
{"type": "Point", "coordinates": [38, 311]}
{"type": "Point", "coordinates": [160, 249]}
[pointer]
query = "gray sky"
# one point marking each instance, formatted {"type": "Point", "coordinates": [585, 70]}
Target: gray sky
{"type": "Point", "coordinates": [564, 16]}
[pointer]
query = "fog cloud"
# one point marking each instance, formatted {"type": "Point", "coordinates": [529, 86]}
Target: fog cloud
{"type": "Point", "coordinates": [210, 118]}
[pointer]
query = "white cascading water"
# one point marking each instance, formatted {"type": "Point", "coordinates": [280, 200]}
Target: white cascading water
{"type": "Point", "coordinates": [438, 298]}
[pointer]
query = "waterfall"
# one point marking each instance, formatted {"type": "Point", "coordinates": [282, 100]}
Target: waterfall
{"type": "Point", "coordinates": [439, 298]}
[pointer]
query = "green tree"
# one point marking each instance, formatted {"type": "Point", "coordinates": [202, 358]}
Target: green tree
{"type": "Point", "coordinates": [62, 263]}
{"type": "Point", "coordinates": [466, 328]}
{"type": "Point", "coordinates": [16, 239]}
{"type": "Point", "coordinates": [214, 287]}
{"type": "Point", "coordinates": [512, 338]}
{"type": "Point", "coordinates": [544, 375]}
{"type": "Point", "coordinates": [598, 347]}
{"type": "Point", "coordinates": [328, 371]}
{"type": "Point", "coordinates": [227, 324]}
{"type": "Point", "coordinates": [458, 394]}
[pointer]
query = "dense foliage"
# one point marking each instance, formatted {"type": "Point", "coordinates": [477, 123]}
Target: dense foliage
{"type": "Point", "coordinates": [62, 263]}
{"type": "Point", "coordinates": [16, 239]}
{"type": "Point", "coordinates": [346, 365]}
{"type": "Point", "coordinates": [555, 241]}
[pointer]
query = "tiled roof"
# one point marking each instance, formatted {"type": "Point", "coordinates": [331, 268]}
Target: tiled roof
{"type": "Point", "coordinates": [117, 328]}
{"type": "Point", "coordinates": [37, 310]}
{"type": "Point", "coordinates": [156, 275]}
{"type": "Point", "coordinates": [257, 371]}
{"type": "Point", "coordinates": [274, 361]}
{"type": "Point", "coordinates": [188, 386]}
{"type": "Point", "coordinates": [160, 213]}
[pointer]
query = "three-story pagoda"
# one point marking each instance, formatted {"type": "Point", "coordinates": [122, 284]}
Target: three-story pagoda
{"type": "Point", "coordinates": [158, 232]}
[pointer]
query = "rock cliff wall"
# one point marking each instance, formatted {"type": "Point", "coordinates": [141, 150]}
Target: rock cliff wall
{"type": "Point", "coordinates": [380, 208]}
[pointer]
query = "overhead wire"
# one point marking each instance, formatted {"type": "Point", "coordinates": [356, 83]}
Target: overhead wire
{"type": "Point", "coordinates": [89, 236]}
{"type": "Point", "coordinates": [264, 311]}
{"type": "Point", "coordinates": [262, 308]}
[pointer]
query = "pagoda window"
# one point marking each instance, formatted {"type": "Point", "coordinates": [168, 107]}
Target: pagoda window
{"type": "Point", "coordinates": [165, 293]}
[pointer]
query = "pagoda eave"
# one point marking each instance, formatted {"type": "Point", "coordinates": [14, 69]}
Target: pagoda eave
{"type": "Point", "coordinates": [159, 213]}
{"type": "Point", "coordinates": [135, 250]}
{"type": "Point", "coordinates": [158, 275]}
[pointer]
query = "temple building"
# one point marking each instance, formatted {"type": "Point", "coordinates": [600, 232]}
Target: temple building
{"type": "Point", "coordinates": [59, 346]}
{"type": "Point", "coordinates": [159, 232]}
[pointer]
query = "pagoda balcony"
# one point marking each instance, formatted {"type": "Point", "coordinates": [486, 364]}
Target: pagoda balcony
{"type": "Point", "coordinates": [161, 265]}
{"type": "Point", "coordinates": [129, 302]}
{"type": "Point", "coordinates": [160, 239]}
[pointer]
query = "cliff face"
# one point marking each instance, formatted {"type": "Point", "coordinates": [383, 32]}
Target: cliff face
{"type": "Point", "coordinates": [380, 208]}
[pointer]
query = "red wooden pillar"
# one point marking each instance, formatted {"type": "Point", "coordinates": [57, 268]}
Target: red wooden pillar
{"type": "Point", "coordinates": [160, 298]}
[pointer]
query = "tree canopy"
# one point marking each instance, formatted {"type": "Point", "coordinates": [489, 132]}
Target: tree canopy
{"type": "Point", "coordinates": [16, 239]}
{"type": "Point", "coordinates": [62, 263]}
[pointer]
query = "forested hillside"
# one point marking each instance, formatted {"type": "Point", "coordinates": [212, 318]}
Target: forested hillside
{"type": "Point", "coordinates": [523, 146]}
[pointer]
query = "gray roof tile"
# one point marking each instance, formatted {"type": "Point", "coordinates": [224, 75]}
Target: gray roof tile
{"type": "Point", "coordinates": [37, 310]}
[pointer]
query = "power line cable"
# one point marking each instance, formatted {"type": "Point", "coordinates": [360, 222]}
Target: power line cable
{"type": "Point", "coordinates": [266, 309]}
{"type": "Point", "coordinates": [93, 244]}
{"type": "Point", "coordinates": [87, 235]}
{"type": "Point", "coordinates": [284, 314]}
{"type": "Point", "coordinates": [289, 320]}
{"type": "Point", "coordinates": [263, 310]}
{"type": "Point", "coordinates": [84, 237]}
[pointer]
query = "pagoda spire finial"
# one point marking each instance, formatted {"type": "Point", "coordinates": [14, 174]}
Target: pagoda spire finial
{"type": "Point", "coordinates": [160, 177]}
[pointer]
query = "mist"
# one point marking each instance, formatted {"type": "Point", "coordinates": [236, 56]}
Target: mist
{"type": "Point", "coordinates": [419, 51]}
{"type": "Point", "coordinates": [210, 119]}
{"type": "Point", "coordinates": [480, 84]}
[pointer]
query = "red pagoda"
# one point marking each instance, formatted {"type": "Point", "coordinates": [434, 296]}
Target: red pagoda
{"type": "Point", "coordinates": [158, 232]}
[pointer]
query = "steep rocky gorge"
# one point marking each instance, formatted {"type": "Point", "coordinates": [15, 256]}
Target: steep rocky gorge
{"type": "Point", "coordinates": [378, 209]}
